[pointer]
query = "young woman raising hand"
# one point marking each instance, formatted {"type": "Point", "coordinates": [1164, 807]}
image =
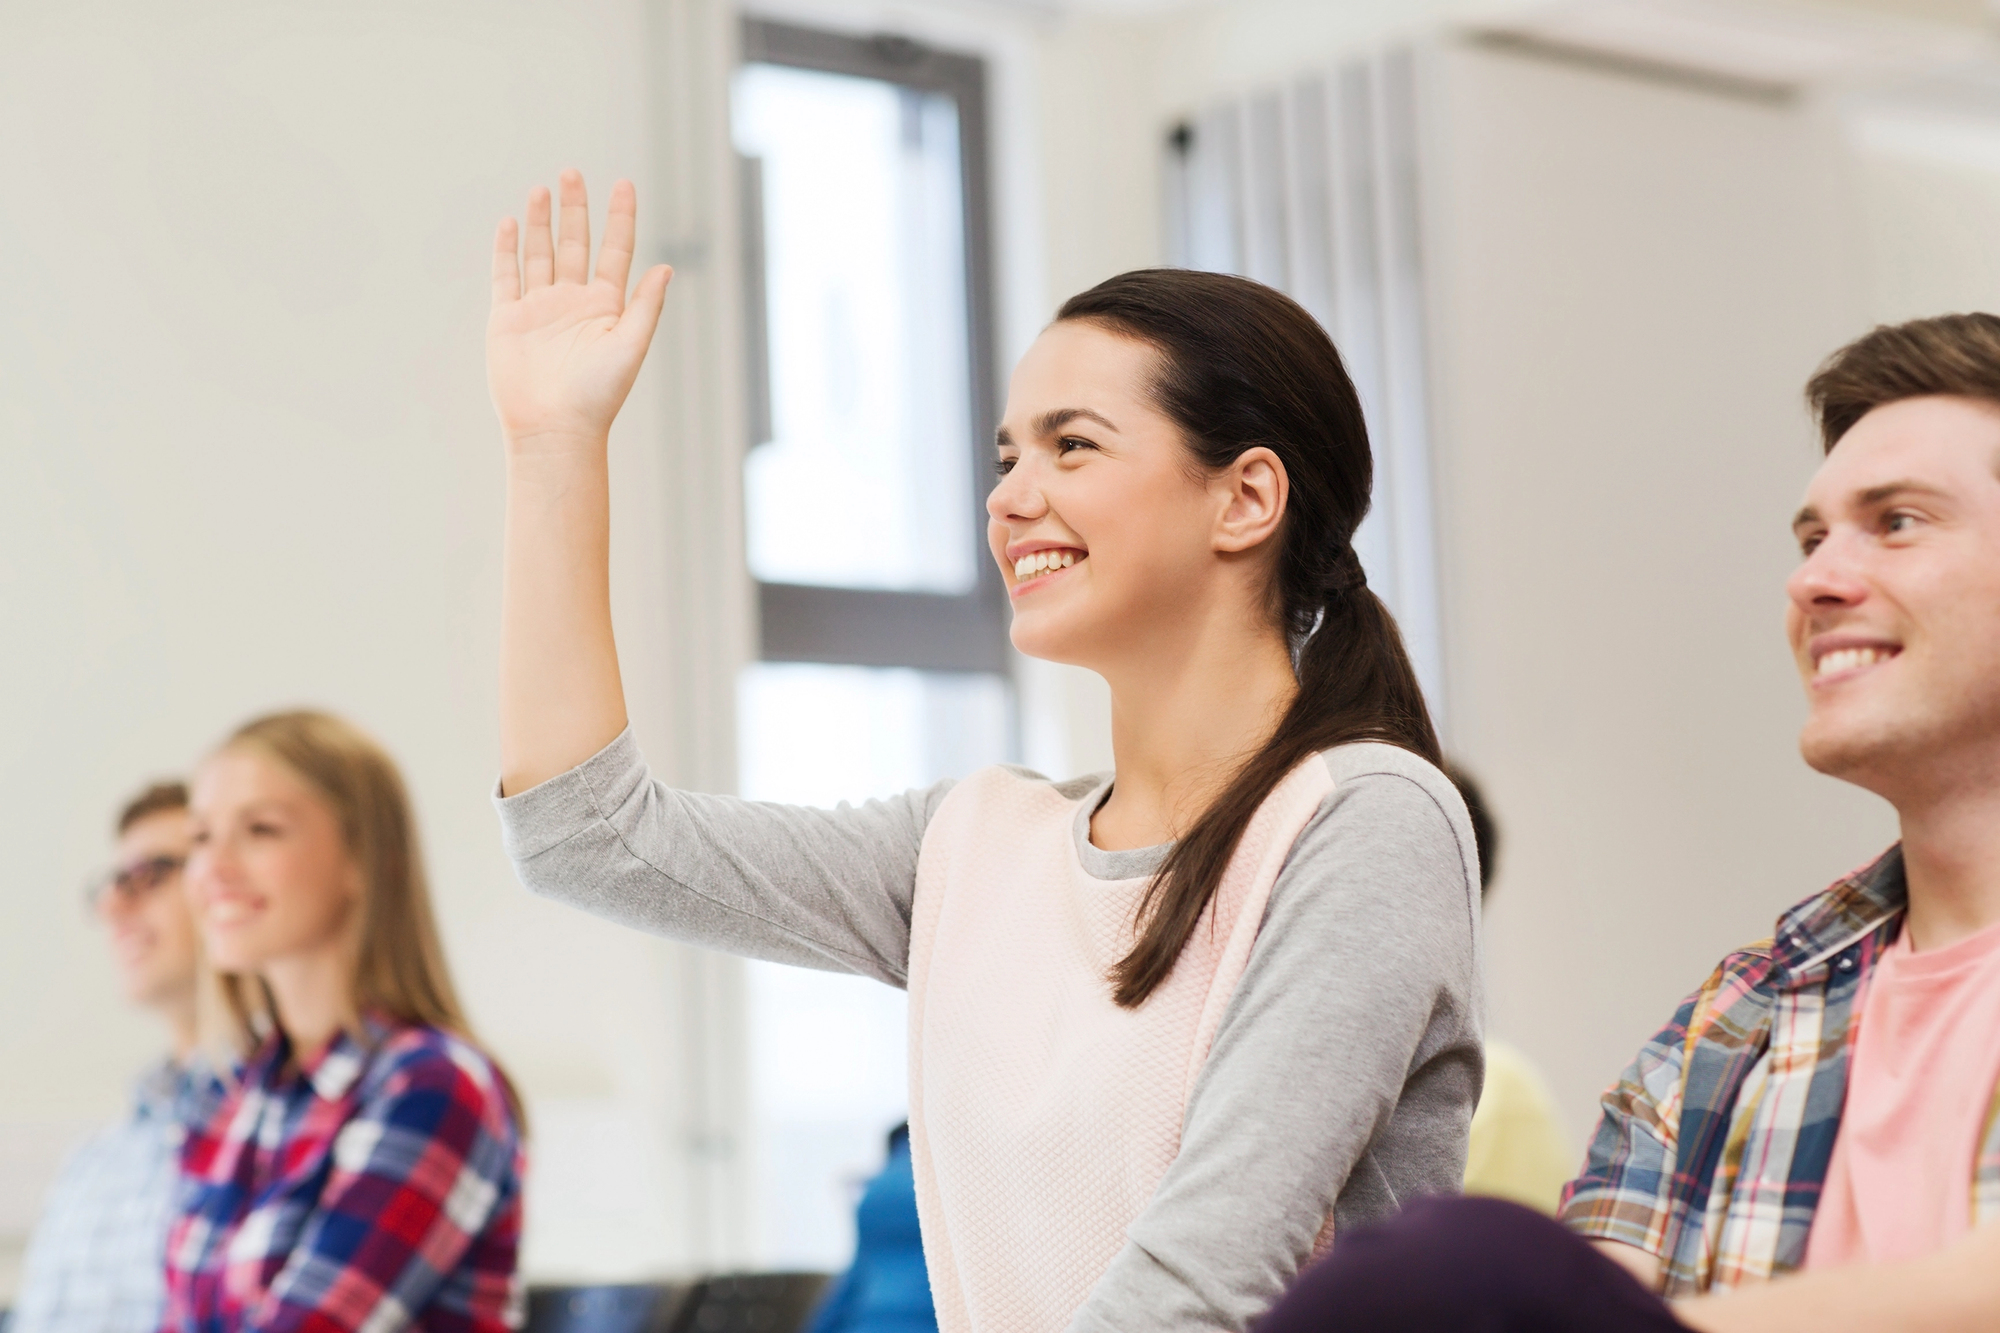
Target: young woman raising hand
{"type": "Point", "coordinates": [1172, 1032]}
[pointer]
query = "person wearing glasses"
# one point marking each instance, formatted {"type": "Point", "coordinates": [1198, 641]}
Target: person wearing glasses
{"type": "Point", "coordinates": [96, 1259]}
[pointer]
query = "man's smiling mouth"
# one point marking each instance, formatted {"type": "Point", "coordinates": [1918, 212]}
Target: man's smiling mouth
{"type": "Point", "coordinates": [1847, 661]}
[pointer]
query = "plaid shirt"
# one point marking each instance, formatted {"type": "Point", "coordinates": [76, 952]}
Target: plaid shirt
{"type": "Point", "coordinates": [93, 1264]}
{"type": "Point", "coordinates": [1715, 1142]}
{"type": "Point", "coordinates": [375, 1187]}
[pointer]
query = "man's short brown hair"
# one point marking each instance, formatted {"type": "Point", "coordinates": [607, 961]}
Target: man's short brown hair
{"type": "Point", "coordinates": [1950, 354]}
{"type": "Point", "coordinates": [156, 799]}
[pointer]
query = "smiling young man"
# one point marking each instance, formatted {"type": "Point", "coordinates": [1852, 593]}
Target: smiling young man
{"type": "Point", "coordinates": [95, 1261]}
{"type": "Point", "coordinates": [1817, 1131]}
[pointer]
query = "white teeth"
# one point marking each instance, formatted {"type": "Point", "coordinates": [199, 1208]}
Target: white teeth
{"type": "Point", "coordinates": [1848, 659]}
{"type": "Point", "coordinates": [1041, 562]}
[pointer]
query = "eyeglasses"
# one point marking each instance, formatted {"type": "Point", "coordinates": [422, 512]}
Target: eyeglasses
{"type": "Point", "coordinates": [134, 883]}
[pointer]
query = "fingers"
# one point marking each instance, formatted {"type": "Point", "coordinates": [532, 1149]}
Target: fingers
{"type": "Point", "coordinates": [506, 263]}
{"type": "Point", "coordinates": [621, 228]}
{"type": "Point", "coordinates": [573, 249]}
{"type": "Point", "coordinates": [642, 315]}
{"type": "Point", "coordinates": [539, 250]}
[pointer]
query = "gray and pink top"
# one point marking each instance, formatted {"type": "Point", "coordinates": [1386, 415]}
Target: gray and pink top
{"type": "Point", "coordinates": [1311, 1063]}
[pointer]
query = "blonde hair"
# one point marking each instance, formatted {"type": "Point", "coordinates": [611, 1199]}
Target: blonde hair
{"type": "Point", "coordinates": [399, 963]}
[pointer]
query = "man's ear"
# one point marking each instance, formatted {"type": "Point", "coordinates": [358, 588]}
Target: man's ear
{"type": "Point", "coordinates": [1250, 496]}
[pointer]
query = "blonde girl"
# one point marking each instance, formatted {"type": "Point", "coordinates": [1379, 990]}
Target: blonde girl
{"type": "Point", "coordinates": [365, 1171]}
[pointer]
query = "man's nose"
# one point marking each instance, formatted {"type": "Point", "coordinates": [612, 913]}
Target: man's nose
{"type": "Point", "coordinates": [1829, 577]}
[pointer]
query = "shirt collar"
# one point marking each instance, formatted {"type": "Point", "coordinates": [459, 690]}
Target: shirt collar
{"type": "Point", "coordinates": [158, 1090]}
{"type": "Point", "coordinates": [333, 1069]}
{"type": "Point", "coordinates": [1855, 906]}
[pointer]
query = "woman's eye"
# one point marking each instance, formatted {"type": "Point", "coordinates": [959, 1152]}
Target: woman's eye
{"type": "Point", "coordinates": [1002, 466]}
{"type": "Point", "coordinates": [1070, 444]}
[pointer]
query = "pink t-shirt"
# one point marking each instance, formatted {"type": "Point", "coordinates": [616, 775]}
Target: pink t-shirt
{"type": "Point", "coordinates": [1919, 1092]}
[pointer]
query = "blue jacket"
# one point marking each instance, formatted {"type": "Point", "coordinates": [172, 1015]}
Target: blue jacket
{"type": "Point", "coordinates": [888, 1290]}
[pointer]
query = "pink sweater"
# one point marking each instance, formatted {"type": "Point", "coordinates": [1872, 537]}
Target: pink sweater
{"type": "Point", "coordinates": [1042, 1115]}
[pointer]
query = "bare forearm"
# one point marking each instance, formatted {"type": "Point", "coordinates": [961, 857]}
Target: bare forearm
{"type": "Point", "coordinates": [1954, 1292]}
{"type": "Point", "coordinates": [561, 698]}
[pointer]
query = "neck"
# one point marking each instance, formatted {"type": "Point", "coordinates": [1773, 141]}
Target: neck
{"type": "Point", "coordinates": [179, 1015]}
{"type": "Point", "coordinates": [1951, 859]}
{"type": "Point", "coordinates": [1182, 722]}
{"type": "Point", "coordinates": [314, 993]}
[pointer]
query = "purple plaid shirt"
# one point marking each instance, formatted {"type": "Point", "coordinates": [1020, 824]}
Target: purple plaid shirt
{"type": "Point", "coordinates": [1715, 1143]}
{"type": "Point", "coordinates": [374, 1187]}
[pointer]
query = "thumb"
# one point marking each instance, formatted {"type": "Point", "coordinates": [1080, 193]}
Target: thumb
{"type": "Point", "coordinates": [642, 312]}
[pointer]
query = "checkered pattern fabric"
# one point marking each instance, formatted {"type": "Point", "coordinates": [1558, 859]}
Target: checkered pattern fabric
{"type": "Point", "coordinates": [375, 1187]}
{"type": "Point", "coordinates": [93, 1263]}
{"type": "Point", "coordinates": [1715, 1142]}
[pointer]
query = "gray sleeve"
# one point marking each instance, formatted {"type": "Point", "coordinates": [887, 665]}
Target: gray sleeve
{"type": "Point", "coordinates": [1343, 1075]}
{"type": "Point", "coordinates": [829, 889]}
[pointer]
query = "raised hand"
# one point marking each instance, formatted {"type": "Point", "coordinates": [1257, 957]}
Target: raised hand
{"type": "Point", "coordinates": [563, 348]}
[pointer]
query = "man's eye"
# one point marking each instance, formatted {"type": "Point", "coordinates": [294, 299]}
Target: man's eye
{"type": "Point", "coordinates": [1807, 545]}
{"type": "Point", "coordinates": [1899, 522]}
{"type": "Point", "coordinates": [1002, 466]}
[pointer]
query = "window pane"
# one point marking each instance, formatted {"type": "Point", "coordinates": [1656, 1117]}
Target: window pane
{"type": "Point", "coordinates": [829, 1072]}
{"type": "Point", "coordinates": [866, 482]}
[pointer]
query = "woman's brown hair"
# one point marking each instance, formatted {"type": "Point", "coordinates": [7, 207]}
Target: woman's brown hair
{"type": "Point", "coordinates": [399, 965]}
{"type": "Point", "coordinates": [1240, 366]}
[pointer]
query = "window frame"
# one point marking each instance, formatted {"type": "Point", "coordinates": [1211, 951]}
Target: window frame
{"type": "Point", "coordinates": [864, 626]}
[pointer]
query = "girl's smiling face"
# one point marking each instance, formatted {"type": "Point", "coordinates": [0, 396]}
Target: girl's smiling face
{"type": "Point", "coordinates": [270, 877]}
{"type": "Point", "coordinates": [1102, 523]}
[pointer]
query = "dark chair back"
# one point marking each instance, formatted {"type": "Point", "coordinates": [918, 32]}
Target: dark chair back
{"type": "Point", "coordinates": [637, 1307]}
{"type": "Point", "coordinates": [752, 1303]}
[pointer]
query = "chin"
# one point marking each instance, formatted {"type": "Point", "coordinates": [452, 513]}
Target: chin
{"type": "Point", "coordinates": [1854, 749]}
{"type": "Point", "coordinates": [1033, 636]}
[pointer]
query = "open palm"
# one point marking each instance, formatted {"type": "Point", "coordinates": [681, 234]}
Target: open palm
{"type": "Point", "coordinates": [563, 347]}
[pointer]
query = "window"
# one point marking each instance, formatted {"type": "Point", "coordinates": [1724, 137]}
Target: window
{"type": "Point", "coordinates": [882, 616]}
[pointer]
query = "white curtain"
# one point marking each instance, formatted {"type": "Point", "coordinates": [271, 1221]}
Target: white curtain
{"type": "Point", "coordinates": [1312, 189]}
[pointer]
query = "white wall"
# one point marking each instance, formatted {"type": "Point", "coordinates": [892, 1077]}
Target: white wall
{"type": "Point", "coordinates": [247, 461]}
{"type": "Point", "coordinates": [1633, 282]}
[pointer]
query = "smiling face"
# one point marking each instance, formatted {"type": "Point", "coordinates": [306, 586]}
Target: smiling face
{"type": "Point", "coordinates": [1108, 535]}
{"type": "Point", "coordinates": [270, 877]}
{"type": "Point", "coordinates": [146, 913]}
{"type": "Point", "coordinates": [1894, 616]}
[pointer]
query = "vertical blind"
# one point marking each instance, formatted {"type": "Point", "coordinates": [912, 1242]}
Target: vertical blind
{"type": "Point", "coordinates": [1312, 189]}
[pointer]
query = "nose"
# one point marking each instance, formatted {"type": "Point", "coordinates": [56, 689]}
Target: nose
{"type": "Point", "coordinates": [1829, 579]}
{"type": "Point", "coordinates": [1018, 495]}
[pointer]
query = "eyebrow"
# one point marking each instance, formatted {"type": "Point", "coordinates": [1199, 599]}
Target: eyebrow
{"type": "Point", "coordinates": [1053, 420]}
{"type": "Point", "coordinates": [1873, 496]}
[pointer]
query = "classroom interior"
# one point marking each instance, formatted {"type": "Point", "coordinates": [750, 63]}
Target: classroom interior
{"type": "Point", "coordinates": [1581, 255]}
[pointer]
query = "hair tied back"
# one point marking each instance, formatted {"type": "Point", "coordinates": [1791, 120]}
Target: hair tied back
{"type": "Point", "coordinates": [1345, 574]}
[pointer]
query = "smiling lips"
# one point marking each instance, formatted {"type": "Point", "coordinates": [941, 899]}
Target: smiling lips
{"type": "Point", "coordinates": [1842, 661]}
{"type": "Point", "coordinates": [1037, 564]}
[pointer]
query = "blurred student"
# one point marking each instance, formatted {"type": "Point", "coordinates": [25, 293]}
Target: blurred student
{"type": "Point", "coordinates": [886, 1289]}
{"type": "Point", "coordinates": [365, 1172]}
{"type": "Point", "coordinates": [1812, 1143]}
{"type": "Point", "coordinates": [1168, 1034]}
{"type": "Point", "coordinates": [1517, 1149]}
{"type": "Point", "coordinates": [94, 1262]}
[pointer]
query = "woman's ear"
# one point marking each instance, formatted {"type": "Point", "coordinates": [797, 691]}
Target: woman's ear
{"type": "Point", "coordinates": [1250, 497]}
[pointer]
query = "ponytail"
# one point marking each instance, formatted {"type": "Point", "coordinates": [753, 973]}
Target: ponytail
{"type": "Point", "coordinates": [1242, 366]}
